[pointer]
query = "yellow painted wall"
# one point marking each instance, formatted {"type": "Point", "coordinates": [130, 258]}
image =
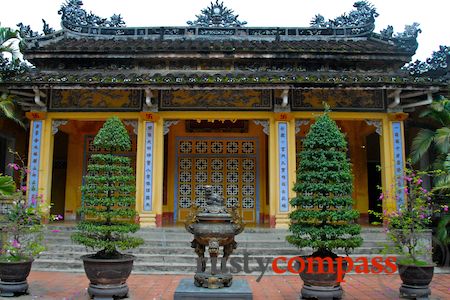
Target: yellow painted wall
{"type": "Point", "coordinates": [75, 159]}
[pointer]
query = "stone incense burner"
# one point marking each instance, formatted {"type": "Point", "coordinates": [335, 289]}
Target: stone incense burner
{"type": "Point", "coordinates": [213, 226]}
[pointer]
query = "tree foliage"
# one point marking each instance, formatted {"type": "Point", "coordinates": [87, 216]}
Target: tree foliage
{"type": "Point", "coordinates": [437, 137]}
{"type": "Point", "coordinates": [108, 194]}
{"type": "Point", "coordinates": [323, 217]}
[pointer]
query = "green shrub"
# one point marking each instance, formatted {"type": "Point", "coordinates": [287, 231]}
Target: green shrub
{"type": "Point", "coordinates": [108, 194]}
{"type": "Point", "coordinates": [323, 218]}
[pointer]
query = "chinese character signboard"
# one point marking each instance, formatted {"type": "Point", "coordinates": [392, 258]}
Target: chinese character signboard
{"type": "Point", "coordinates": [283, 166]}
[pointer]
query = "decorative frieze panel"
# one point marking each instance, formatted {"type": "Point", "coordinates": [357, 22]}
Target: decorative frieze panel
{"type": "Point", "coordinates": [95, 100]}
{"type": "Point", "coordinates": [338, 99]}
{"type": "Point", "coordinates": [216, 99]}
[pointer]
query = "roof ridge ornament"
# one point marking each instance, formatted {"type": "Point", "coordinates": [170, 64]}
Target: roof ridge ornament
{"type": "Point", "coordinates": [217, 15]}
{"type": "Point", "coordinates": [406, 40]}
{"type": "Point", "coordinates": [437, 65]}
{"type": "Point", "coordinates": [365, 13]}
{"type": "Point", "coordinates": [72, 13]}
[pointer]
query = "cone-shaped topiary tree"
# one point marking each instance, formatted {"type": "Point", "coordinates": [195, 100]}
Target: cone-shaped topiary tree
{"type": "Point", "coordinates": [323, 218]}
{"type": "Point", "coordinates": [108, 193]}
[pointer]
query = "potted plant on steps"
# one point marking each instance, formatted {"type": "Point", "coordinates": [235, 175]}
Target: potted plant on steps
{"type": "Point", "coordinates": [22, 234]}
{"type": "Point", "coordinates": [109, 212]}
{"type": "Point", "coordinates": [408, 229]}
{"type": "Point", "coordinates": [323, 218]}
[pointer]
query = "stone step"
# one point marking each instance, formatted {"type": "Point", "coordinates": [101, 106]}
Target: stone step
{"type": "Point", "coordinates": [166, 267]}
{"type": "Point", "coordinates": [188, 255]}
{"type": "Point", "coordinates": [186, 250]}
{"type": "Point", "coordinates": [168, 251]}
{"type": "Point", "coordinates": [55, 245]}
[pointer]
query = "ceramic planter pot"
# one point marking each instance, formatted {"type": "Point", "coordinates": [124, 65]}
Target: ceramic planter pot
{"type": "Point", "coordinates": [108, 276]}
{"type": "Point", "coordinates": [415, 280]}
{"type": "Point", "coordinates": [321, 285]}
{"type": "Point", "coordinates": [13, 277]}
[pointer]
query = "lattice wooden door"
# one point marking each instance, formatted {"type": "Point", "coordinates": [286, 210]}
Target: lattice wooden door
{"type": "Point", "coordinates": [230, 165]}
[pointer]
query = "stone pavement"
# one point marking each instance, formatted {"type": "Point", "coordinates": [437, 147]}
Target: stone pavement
{"type": "Point", "coordinates": [65, 286]}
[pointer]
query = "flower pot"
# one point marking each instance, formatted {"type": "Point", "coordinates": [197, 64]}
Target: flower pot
{"type": "Point", "coordinates": [323, 285]}
{"type": "Point", "coordinates": [416, 280]}
{"type": "Point", "coordinates": [13, 277]}
{"type": "Point", "coordinates": [108, 276]}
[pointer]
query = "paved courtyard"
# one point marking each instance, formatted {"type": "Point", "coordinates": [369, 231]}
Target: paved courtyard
{"type": "Point", "coordinates": [58, 285]}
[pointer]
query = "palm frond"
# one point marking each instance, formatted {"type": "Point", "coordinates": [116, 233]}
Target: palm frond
{"type": "Point", "coordinates": [438, 111]}
{"type": "Point", "coordinates": [421, 144]}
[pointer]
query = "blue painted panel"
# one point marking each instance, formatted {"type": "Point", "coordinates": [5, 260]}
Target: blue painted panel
{"type": "Point", "coordinates": [398, 161]}
{"type": "Point", "coordinates": [283, 166]}
{"type": "Point", "coordinates": [35, 157]}
{"type": "Point", "coordinates": [148, 165]}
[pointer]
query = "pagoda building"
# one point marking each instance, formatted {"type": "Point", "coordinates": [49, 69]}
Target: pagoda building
{"type": "Point", "coordinates": [216, 103]}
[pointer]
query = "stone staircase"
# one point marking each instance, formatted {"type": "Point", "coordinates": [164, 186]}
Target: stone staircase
{"type": "Point", "coordinates": [168, 251]}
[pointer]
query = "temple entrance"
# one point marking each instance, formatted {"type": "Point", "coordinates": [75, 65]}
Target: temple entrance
{"type": "Point", "coordinates": [227, 155]}
{"type": "Point", "coordinates": [73, 147]}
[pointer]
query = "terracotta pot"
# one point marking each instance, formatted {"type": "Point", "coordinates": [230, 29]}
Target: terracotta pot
{"type": "Point", "coordinates": [15, 271]}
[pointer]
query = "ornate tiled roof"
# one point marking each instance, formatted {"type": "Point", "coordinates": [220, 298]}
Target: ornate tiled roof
{"type": "Point", "coordinates": [217, 48]}
{"type": "Point", "coordinates": [119, 45]}
{"type": "Point", "coordinates": [219, 28]}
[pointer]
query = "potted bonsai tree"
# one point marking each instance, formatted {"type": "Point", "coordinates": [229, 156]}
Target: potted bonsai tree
{"type": "Point", "coordinates": [408, 229]}
{"type": "Point", "coordinates": [109, 211]}
{"type": "Point", "coordinates": [22, 234]}
{"type": "Point", "coordinates": [323, 216]}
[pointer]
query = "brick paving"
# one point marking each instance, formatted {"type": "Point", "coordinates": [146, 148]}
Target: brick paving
{"type": "Point", "coordinates": [72, 286]}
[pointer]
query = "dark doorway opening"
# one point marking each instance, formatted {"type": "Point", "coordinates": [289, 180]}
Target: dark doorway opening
{"type": "Point", "coordinates": [373, 175]}
{"type": "Point", "coordinates": [59, 172]}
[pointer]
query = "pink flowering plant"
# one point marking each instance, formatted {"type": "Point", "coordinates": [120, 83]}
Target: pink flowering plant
{"type": "Point", "coordinates": [405, 226]}
{"type": "Point", "coordinates": [25, 231]}
{"type": "Point", "coordinates": [23, 226]}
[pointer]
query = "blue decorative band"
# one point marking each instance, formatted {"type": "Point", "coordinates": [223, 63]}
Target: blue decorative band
{"type": "Point", "coordinates": [398, 161]}
{"type": "Point", "coordinates": [283, 166]}
{"type": "Point", "coordinates": [148, 164]}
{"type": "Point", "coordinates": [35, 156]}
